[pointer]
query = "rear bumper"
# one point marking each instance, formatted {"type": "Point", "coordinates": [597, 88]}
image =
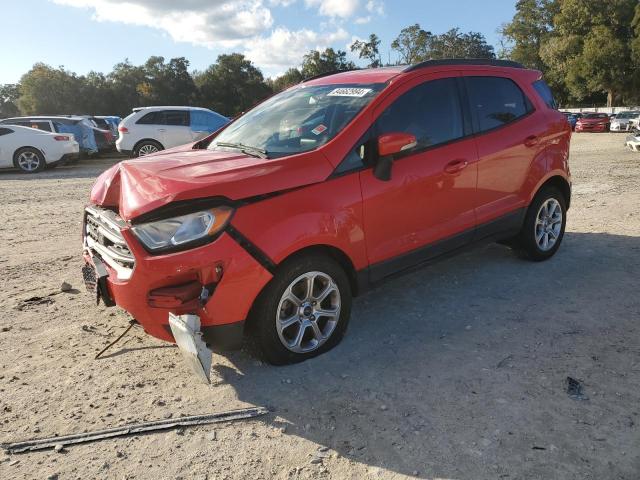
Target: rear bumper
{"type": "Point", "coordinates": [592, 128]}
{"type": "Point", "coordinates": [230, 275]}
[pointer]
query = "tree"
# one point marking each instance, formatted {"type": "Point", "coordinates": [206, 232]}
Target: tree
{"type": "Point", "coordinates": [291, 77]}
{"type": "Point", "coordinates": [316, 62]}
{"type": "Point", "coordinates": [530, 27]}
{"type": "Point", "coordinates": [454, 44]}
{"type": "Point", "coordinates": [47, 90]}
{"type": "Point", "coordinates": [591, 48]}
{"type": "Point", "coordinates": [368, 50]}
{"type": "Point", "coordinates": [167, 83]}
{"type": "Point", "coordinates": [231, 85]}
{"type": "Point", "coordinates": [411, 44]}
{"type": "Point", "coordinates": [9, 94]}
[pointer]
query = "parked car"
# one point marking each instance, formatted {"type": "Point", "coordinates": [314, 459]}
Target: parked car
{"type": "Point", "coordinates": [269, 229]}
{"type": "Point", "coordinates": [593, 122]}
{"type": "Point", "coordinates": [151, 129]}
{"type": "Point", "coordinates": [82, 131]}
{"type": "Point", "coordinates": [633, 141]}
{"type": "Point", "coordinates": [32, 150]}
{"type": "Point", "coordinates": [104, 137]}
{"type": "Point", "coordinates": [622, 122]}
{"type": "Point", "coordinates": [572, 118]}
{"type": "Point", "coordinates": [112, 122]}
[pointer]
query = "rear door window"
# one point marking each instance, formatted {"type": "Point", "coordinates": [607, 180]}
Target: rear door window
{"type": "Point", "coordinates": [495, 101]}
{"type": "Point", "coordinates": [151, 118]}
{"type": "Point", "coordinates": [431, 112]}
{"type": "Point", "coordinates": [177, 117]}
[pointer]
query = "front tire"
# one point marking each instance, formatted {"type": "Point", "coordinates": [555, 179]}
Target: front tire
{"type": "Point", "coordinates": [303, 312]}
{"type": "Point", "coordinates": [544, 225]}
{"type": "Point", "coordinates": [29, 160]}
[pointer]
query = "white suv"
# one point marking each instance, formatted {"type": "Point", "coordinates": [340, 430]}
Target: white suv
{"type": "Point", "coordinates": [151, 129]}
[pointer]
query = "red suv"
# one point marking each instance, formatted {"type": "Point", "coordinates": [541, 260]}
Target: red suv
{"type": "Point", "coordinates": [270, 226]}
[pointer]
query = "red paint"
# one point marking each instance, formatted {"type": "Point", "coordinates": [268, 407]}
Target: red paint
{"type": "Point", "coordinates": [432, 195]}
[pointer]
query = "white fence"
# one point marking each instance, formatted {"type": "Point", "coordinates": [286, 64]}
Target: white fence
{"type": "Point", "coordinates": [609, 110]}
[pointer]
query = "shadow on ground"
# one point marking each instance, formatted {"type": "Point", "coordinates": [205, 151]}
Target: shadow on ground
{"type": "Point", "coordinates": [458, 370]}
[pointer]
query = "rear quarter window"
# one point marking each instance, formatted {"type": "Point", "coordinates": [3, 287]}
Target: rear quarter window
{"type": "Point", "coordinates": [545, 93]}
{"type": "Point", "coordinates": [496, 101]}
{"type": "Point", "coordinates": [5, 131]}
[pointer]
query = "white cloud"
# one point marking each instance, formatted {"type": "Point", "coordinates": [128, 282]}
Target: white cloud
{"type": "Point", "coordinates": [200, 22]}
{"type": "Point", "coordinates": [335, 8]}
{"type": "Point", "coordinates": [285, 48]}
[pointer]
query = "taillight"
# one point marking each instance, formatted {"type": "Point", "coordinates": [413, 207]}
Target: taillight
{"type": "Point", "coordinates": [61, 138]}
{"type": "Point", "coordinates": [123, 129]}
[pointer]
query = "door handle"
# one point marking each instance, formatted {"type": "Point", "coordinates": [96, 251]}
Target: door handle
{"type": "Point", "coordinates": [456, 166]}
{"type": "Point", "coordinates": [162, 129]}
{"type": "Point", "coordinates": [531, 141]}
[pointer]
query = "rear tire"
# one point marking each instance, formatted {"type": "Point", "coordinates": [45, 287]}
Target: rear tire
{"type": "Point", "coordinates": [290, 323]}
{"type": "Point", "coordinates": [29, 160]}
{"type": "Point", "coordinates": [146, 147]}
{"type": "Point", "coordinates": [544, 225]}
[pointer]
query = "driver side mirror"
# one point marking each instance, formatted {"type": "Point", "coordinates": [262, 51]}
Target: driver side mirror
{"type": "Point", "coordinates": [391, 144]}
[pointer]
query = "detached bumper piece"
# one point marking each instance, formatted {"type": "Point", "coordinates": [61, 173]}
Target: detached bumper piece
{"type": "Point", "coordinates": [188, 337]}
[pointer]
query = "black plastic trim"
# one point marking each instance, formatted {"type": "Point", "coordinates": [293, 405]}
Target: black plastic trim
{"type": "Point", "coordinates": [261, 257]}
{"type": "Point", "coordinates": [465, 62]}
{"type": "Point", "coordinates": [499, 229]}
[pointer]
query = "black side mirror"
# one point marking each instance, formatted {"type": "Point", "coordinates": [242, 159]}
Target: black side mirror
{"type": "Point", "coordinates": [382, 168]}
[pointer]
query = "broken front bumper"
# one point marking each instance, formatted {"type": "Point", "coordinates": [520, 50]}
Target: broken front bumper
{"type": "Point", "coordinates": [150, 287]}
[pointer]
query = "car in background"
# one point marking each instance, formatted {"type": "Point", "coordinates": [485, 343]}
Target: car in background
{"type": "Point", "coordinates": [81, 129]}
{"type": "Point", "coordinates": [622, 122]}
{"type": "Point", "coordinates": [572, 118]}
{"type": "Point", "coordinates": [593, 122]}
{"type": "Point", "coordinates": [32, 150]}
{"type": "Point", "coordinates": [112, 121]}
{"type": "Point", "coordinates": [151, 129]}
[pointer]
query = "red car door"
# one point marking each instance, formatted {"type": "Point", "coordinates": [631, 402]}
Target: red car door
{"type": "Point", "coordinates": [511, 133]}
{"type": "Point", "coordinates": [431, 194]}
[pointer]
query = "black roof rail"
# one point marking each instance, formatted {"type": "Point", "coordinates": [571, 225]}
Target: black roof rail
{"type": "Point", "coordinates": [464, 61]}
{"type": "Point", "coordinates": [326, 74]}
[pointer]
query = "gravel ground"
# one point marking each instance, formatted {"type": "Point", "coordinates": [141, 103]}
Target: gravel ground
{"type": "Point", "coordinates": [456, 371]}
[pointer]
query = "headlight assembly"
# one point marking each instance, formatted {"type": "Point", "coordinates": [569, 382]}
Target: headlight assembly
{"type": "Point", "coordinates": [182, 232]}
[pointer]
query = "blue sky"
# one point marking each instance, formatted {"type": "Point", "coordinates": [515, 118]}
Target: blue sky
{"type": "Point", "coordinates": [86, 35]}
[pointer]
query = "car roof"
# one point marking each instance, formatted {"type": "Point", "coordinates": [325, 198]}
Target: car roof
{"type": "Point", "coordinates": [46, 117]}
{"type": "Point", "coordinates": [386, 74]}
{"type": "Point", "coordinates": [168, 107]}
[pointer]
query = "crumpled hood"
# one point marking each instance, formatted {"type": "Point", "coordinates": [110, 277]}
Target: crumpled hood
{"type": "Point", "coordinates": [138, 186]}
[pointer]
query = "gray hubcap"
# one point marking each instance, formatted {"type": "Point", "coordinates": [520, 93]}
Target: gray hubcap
{"type": "Point", "coordinates": [308, 312]}
{"type": "Point", "coordinates": [147, 149]}
{"type": "Point", "coordinates": [28, 161]}
{"type": "Point", "coordinates": [548, 224]}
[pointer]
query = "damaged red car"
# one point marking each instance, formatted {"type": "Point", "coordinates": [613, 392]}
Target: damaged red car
{"type": "Point", "coordinates": [269, 227]}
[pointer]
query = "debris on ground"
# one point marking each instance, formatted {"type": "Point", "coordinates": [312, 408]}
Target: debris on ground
{"type": "Point", "coordinates": [66, 287]}
{"type": "Point", "coordinates": [575, 389]}
{"type": "Point", "coordinates": [58, 443]}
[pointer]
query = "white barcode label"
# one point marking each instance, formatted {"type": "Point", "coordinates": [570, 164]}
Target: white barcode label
{"type": "Point", "coordinates": [349, 92]}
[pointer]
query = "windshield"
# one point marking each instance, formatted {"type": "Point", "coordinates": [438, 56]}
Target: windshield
{"type": "Point", "coordinates": [595, 115]}
{"type": "Point", "coordinates": [627, 115]}
{"type": "Point", "coordinates": [297, 120]}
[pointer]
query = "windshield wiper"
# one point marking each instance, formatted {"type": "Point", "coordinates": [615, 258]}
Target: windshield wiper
{"type": "Point", "coordinates": [246, 149]}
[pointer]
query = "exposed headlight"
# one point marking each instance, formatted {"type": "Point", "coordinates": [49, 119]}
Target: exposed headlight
{"type": "Point", "coordinates": [183, 231]}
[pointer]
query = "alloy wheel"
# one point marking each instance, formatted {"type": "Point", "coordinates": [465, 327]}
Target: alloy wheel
{"type": "Point", "coordinates": [147, 149]}
{"type": "Point", "coordinates": [548, 224]}
{"type": "Point", "coordinates": [28, 161]}
{"type": "Point", "coordinates": [308, 312]}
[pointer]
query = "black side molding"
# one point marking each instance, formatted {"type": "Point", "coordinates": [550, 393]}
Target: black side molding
{"type": "Point", "coordinates": [261, 257]}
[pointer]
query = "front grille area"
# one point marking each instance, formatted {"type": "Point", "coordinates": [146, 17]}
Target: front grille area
{"type": "Point", "coordinates": [103, 237]}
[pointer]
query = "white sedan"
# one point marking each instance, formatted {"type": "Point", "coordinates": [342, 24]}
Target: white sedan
{"type": "Point", "coordinates": [32, 150]}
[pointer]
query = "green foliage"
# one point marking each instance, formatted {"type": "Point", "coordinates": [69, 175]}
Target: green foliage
{"type": "Point", "coordinates": [231, 85]}
{"type": "Point", "coordinates": [369, 50]}
{"type": "Point", "coordinates": [9, 95]}
{"type": "Point", "coordinates": [316, 62]}
{"type": "Point", "coordinates": [587, 49]}
{"type": "Point", "coordinates": [416, 45]}
{"type": "Point", "coordinates": [289, 78]}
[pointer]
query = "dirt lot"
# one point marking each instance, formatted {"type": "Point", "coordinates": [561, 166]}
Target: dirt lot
{"type": "Point", "coordinates": [456, 371]}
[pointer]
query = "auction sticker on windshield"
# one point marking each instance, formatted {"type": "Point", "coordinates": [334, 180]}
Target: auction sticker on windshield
{"type": "Point", "coordinates": [319, 129]}
{"type": "Point", "coordinates": [349, 92]}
